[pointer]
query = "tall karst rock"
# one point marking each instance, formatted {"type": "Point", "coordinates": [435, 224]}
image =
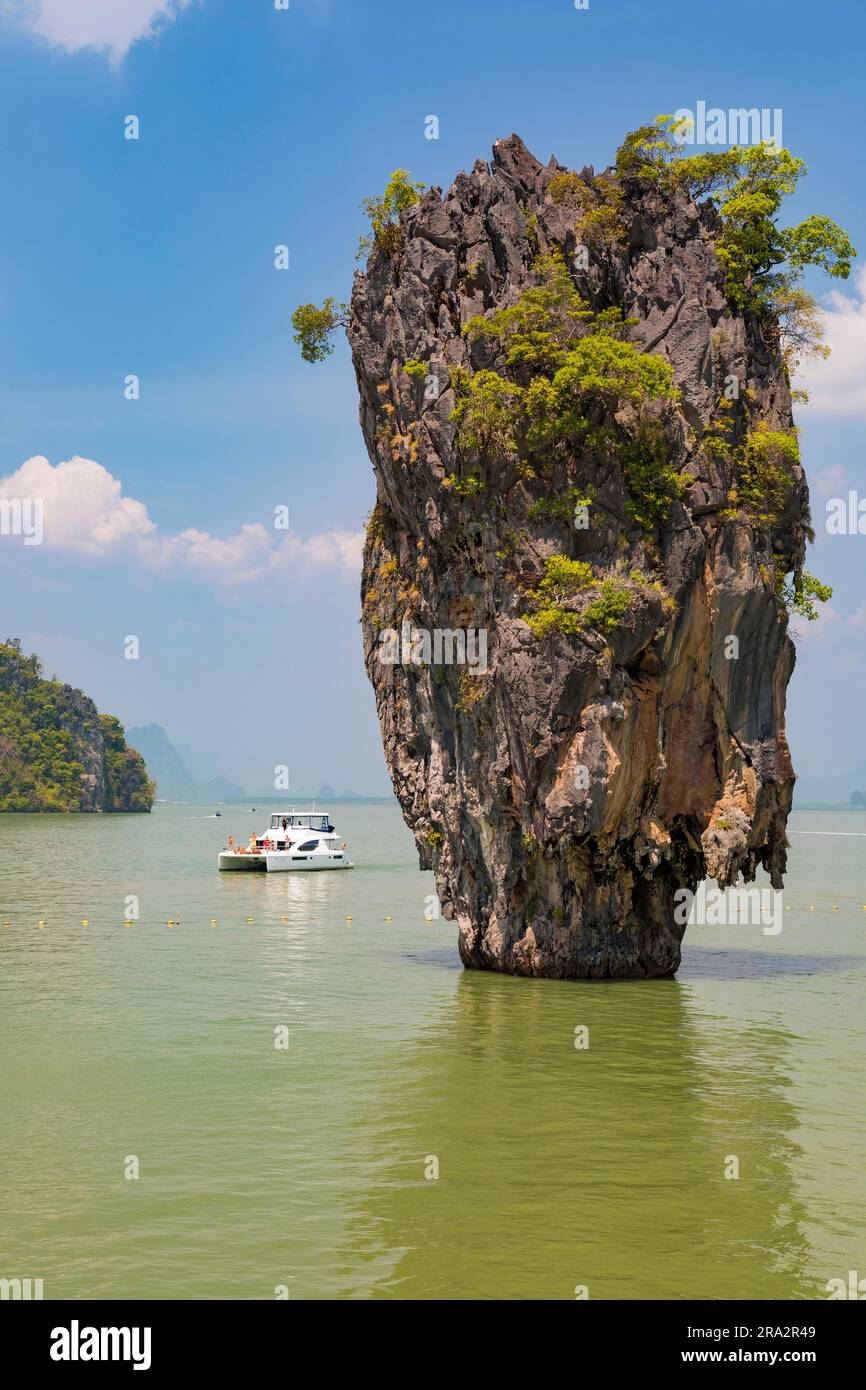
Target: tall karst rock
{"type": "Point", "coordinates": [563, 795]}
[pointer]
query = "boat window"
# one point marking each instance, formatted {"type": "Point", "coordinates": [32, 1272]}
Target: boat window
{"type": "Point", "coordinates": [308, 844]}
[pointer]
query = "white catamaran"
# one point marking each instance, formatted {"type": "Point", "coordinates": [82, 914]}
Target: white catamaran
{"type": "Point", "coordinates": [295, 841]}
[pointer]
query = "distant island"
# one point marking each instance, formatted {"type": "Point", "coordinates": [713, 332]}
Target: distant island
{"type": "Point", "coordinates": [57, 752]}
{"type": "Point", "coordinates": [169, 766]}
{"type": "Point", "coordinates": [174, 781]}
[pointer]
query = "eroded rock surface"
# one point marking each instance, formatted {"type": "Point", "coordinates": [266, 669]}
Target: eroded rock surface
{"type": "Point", "coordinates": [565, 794]}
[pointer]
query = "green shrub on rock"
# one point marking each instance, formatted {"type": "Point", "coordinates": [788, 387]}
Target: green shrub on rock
{"type": "Point", "coordinates": [564, 580]}
{"type": "Point", "coordinates": [763, 261]}
{"type": "Point", "coordinates": [765, 473]}
{"type": "Point", "coordinates": [567, 371]}
{"type": "Point", "coordinates": [385, 213]}
{"type": "Point", "coordinates": [315, 328]}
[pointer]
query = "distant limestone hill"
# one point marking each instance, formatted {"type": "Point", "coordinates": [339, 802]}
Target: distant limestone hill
{"type": "Point", "coordinates": [57, 752]}
{"type": "Point", "coordinates": [174, 768]}
{"type": "Point", "coordinates": [174, 781]}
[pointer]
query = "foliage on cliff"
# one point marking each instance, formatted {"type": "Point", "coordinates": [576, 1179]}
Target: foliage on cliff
{"type": "Point", "coordinates": [567, 374]}
{"type": "Point", "coordinates": [559, 379]}
{"type": "Point", "coordinates": [763, 261]}
{"type": "Point", "coordinates": [57, 753]}
{"type": "Point", "coordinates": [315, 326]}
{"type": "Point", "coordinates": [555, 602]}
{"type": "Point", "coordinates": [385, 213]}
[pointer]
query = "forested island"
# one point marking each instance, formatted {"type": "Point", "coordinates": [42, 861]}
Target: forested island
{"type": "Point", "coordinates": [57, 752]}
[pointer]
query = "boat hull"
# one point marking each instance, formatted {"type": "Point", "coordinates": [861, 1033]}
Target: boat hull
{"type": "Point", "coordinates": [287, 862]}
{"type": "Point", "coordinates": [233, 860]}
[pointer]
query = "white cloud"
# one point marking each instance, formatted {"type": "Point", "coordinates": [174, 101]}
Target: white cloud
{"type": "Point", "coordinates": [110, 25]}
{"type": "Point", "coordinates": [83, 506]}
{"type": "Point", "coordinates": [329, 549]}
{"type": "Point", "coordinates": [254, 553]}
{"type": "Point", "coordinates": [238, 559]}
{"type": "Point", "coordinates": [85, 513]}
{"type": "Point", "coordinates": [837, 386]}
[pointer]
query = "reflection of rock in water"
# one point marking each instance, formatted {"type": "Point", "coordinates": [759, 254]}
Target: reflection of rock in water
{"type": "Point", "coordinates": [602, 1167]}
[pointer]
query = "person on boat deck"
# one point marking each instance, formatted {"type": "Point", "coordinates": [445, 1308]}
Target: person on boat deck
{"type": "Point", "coordinates": [285, 827]}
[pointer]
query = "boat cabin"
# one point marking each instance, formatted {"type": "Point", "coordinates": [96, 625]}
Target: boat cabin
{"type": "Point", "coordinates": [289, 827]}
{"type": "Point", "coordinates": [305, 820]}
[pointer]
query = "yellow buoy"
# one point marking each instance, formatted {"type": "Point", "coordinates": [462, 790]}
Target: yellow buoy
{"type": "Point", "coordinates": [348, 919]}
{"type": "Point", "coordinates": [42, 924]}
{"type": "Point", "coordinates": [127, 924]}
{"type": "Point", "coordinates": [84, 922]}
{"type": "Point", "coordinates": [213, 921]}
{"type": "Point", "coordinates": [249, 921]}
{"type": "Point", "coordinates": [284, 919]}
{"type": "Point", "coordinates": [811, 909]}
{"type": "Point", "coordinates": [835, 908]}
{"type": "Point", "coordinates": [389, 919]}
{"type": "Point", "coordinates": [169, 924]}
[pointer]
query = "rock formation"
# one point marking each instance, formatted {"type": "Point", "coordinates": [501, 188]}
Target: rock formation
{"type": "Point", "coordinates": [566, 792]}
{"type": "Point", "coordinates": [57, 752]}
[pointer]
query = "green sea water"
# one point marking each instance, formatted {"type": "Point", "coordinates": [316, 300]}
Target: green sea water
{"type": "Point", "coordinates": [311, 1167]}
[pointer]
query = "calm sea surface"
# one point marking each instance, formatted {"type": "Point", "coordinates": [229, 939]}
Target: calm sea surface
{"type": "Point", "coordinates": [306, 1167]}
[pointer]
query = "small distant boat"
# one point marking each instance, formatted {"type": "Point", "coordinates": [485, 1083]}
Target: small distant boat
{"type": "Point", "coordinates": [217, 814]}
{"type": "Point", "coordinates": [294, 842]}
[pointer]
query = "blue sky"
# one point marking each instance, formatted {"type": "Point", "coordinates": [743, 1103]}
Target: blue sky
{"type": "Point", "coordinates": [155, 257]}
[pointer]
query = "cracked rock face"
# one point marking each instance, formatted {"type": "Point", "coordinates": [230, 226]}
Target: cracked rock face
{"type": "Point", "coordinates": [564, 790]}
